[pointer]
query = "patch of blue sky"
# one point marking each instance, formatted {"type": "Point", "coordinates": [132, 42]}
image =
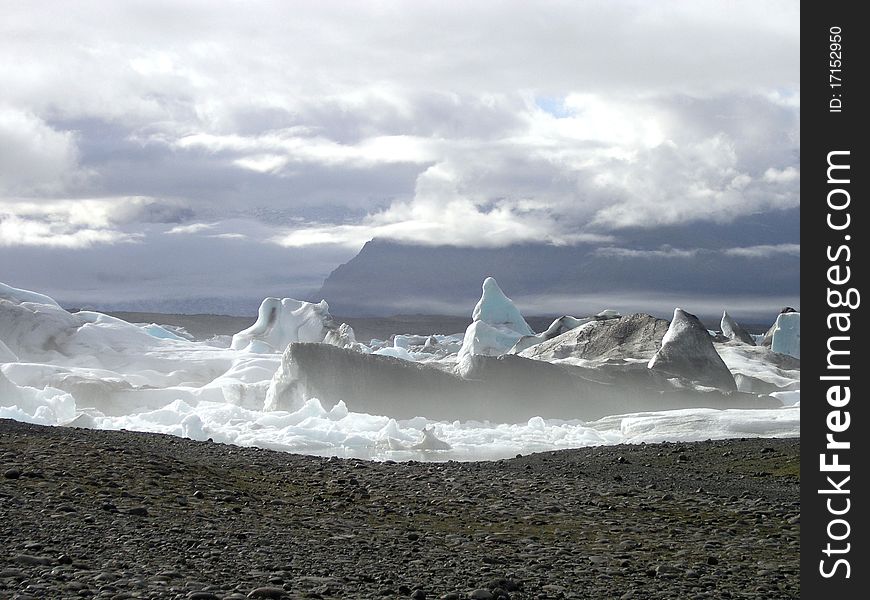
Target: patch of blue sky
{"type": "Point", "coordinates": [554, 106]}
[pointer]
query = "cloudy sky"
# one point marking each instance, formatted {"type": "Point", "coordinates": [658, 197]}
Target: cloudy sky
{"type": "Point", "coordinates": [155, 149]}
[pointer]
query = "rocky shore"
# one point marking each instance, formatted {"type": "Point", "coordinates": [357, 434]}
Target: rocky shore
{"type": "Point", "coordinates": [103, 514]}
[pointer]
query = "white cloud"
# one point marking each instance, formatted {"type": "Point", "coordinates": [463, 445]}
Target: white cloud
{"type": "Point", "coordinates": [664, 252]}
{"type": "Point", "coordinates": [192, 228]}
{"type": "Point", "coordinates": [677, 183]}
{"type": "Point", "coordinates": [765, 250]}
{"type": "Point", "coordinates": [273, 151]}
{"type": "Point", "coordinates": [229, 236]}
{"type": "Point", "coordinates": [34, 158]}
{"type": "Point", "coordinates": [759, 251]}
{"type": "Point", "coordinates": [16, 231]}
{"type": "Point", "coordinates": [786, 175]}
{"type": "Point", "coordinates": [483, 124]}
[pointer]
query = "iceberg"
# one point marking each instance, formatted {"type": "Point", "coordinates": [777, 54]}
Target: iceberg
{"type": "Point", "coordinates": [687, 351]}
{"type": "Point", "coordinates": [557, 328]}
{"type": "Point", "coordinates": [786, 337]}
{"type": "Point", "coordinates": [497, 324]}
{"type": "Point", "coordinates": [497, 309]}
{"type": "Point", "coordinates": [636, 336]}
{"type": "Point", "coordinates": [19, 296]}
{"type": "Point", "coordinates": [732, 330]}
{"type": "Point", "coordinates": [333, 397]}
{"type": "Point", "coordinates": [504, 389]}
{"type": "Point", "coordinates": [768, 335]}
{"type": "Point", "coordinates": [283, 321]}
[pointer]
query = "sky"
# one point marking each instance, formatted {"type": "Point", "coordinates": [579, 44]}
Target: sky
{"type": "Point", "coordinates": [163, 149]}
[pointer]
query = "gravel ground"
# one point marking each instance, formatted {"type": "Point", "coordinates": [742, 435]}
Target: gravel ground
{"type": "Point", "coordinates": [130, 515]}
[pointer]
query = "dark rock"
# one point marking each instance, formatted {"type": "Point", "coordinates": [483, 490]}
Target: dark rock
{"type": "Point", "coordinates": [269, 593]}
{"type": "Point", "coordinates": [12, 474]}
{"type": "Point", "coordinates": [510, 585]}
{"type": "Point", "coordinates": [27, 559]}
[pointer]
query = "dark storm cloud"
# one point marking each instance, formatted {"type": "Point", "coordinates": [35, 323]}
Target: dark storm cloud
{"type": "Point", "coordinates": [317, 126]}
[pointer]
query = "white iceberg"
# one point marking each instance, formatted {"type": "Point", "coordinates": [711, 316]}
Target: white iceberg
{"type": "Point", "coordinates": [283, 321]}
{"type": "Point", "coordinates": [787, 334]}
{"type": "Point", "coordinates": [497, 324]}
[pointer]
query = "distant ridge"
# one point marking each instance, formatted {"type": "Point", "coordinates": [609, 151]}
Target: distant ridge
{"type": "Point", "coordinates": [387, 278]}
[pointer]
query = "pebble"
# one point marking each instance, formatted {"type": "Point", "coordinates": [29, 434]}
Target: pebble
{"type": "Point", "coordinates": [268, 593]}
{"type": "Point", "coordinates": [545, 526]}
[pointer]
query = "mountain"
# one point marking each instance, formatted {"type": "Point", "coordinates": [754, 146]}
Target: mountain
{"type": "Point", "coordinates": [635, 272]}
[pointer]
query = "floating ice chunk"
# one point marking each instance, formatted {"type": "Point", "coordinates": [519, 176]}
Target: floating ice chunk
{"type": "Point", "coordinates": [259, 347]}
{"type": "Point", "coordinates": [537, 423]}
{"type": "Point", "coordinates": [396, 352]}
{"type": "Point", "coordinates": [767, 339]}
{"type": "Point", "coordinates": [406, 341]}
{"type": "Point", "coordinates": [282, 321]}
{"type": "Point", "coordinates": [48, 406]}
{"type": "Point", "coordinates": [787, 334]}
{"type": "Point", "coordinates": [556, 328]}
{"type": "Point", "coordinates": [18, 296]}
{"type": "Point", "coordinates": [85, 420]}
{"type": "Point", "coordinates": [788, 398]}
{"type": "Point", "coordinates": [192, 427]}
{"type": "Point", "coordinates": [161, 333]}
{"type": "Point", "coordinates": [733, 331]}
{"type": "Point", "coordinates": [609, 313]}
{"type": "Point", "coordinates": [430, 442]}
{"type": "Point", "coordinates": [338, 412]}
{"type": "Point", "coordinates": [687, 351]}
{"type": "Point", "coordinates": [342, 336]}
{"type": "Point", "coordinates": [484, 339]}
{"type": "Point", "coordinates": [497, 324]}
{"type": "Point", "coordinates": [635, 337]}
{"type": "Point", "coordinates": [497, 309]}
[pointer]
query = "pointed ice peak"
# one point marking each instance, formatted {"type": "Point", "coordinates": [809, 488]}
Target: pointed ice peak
{"type": "Point", "coordinates": [687, 351]}
{"type": "Point", "coordinates": [495, 308]}
{"type": "Point", "coordinates": [732, 330]}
